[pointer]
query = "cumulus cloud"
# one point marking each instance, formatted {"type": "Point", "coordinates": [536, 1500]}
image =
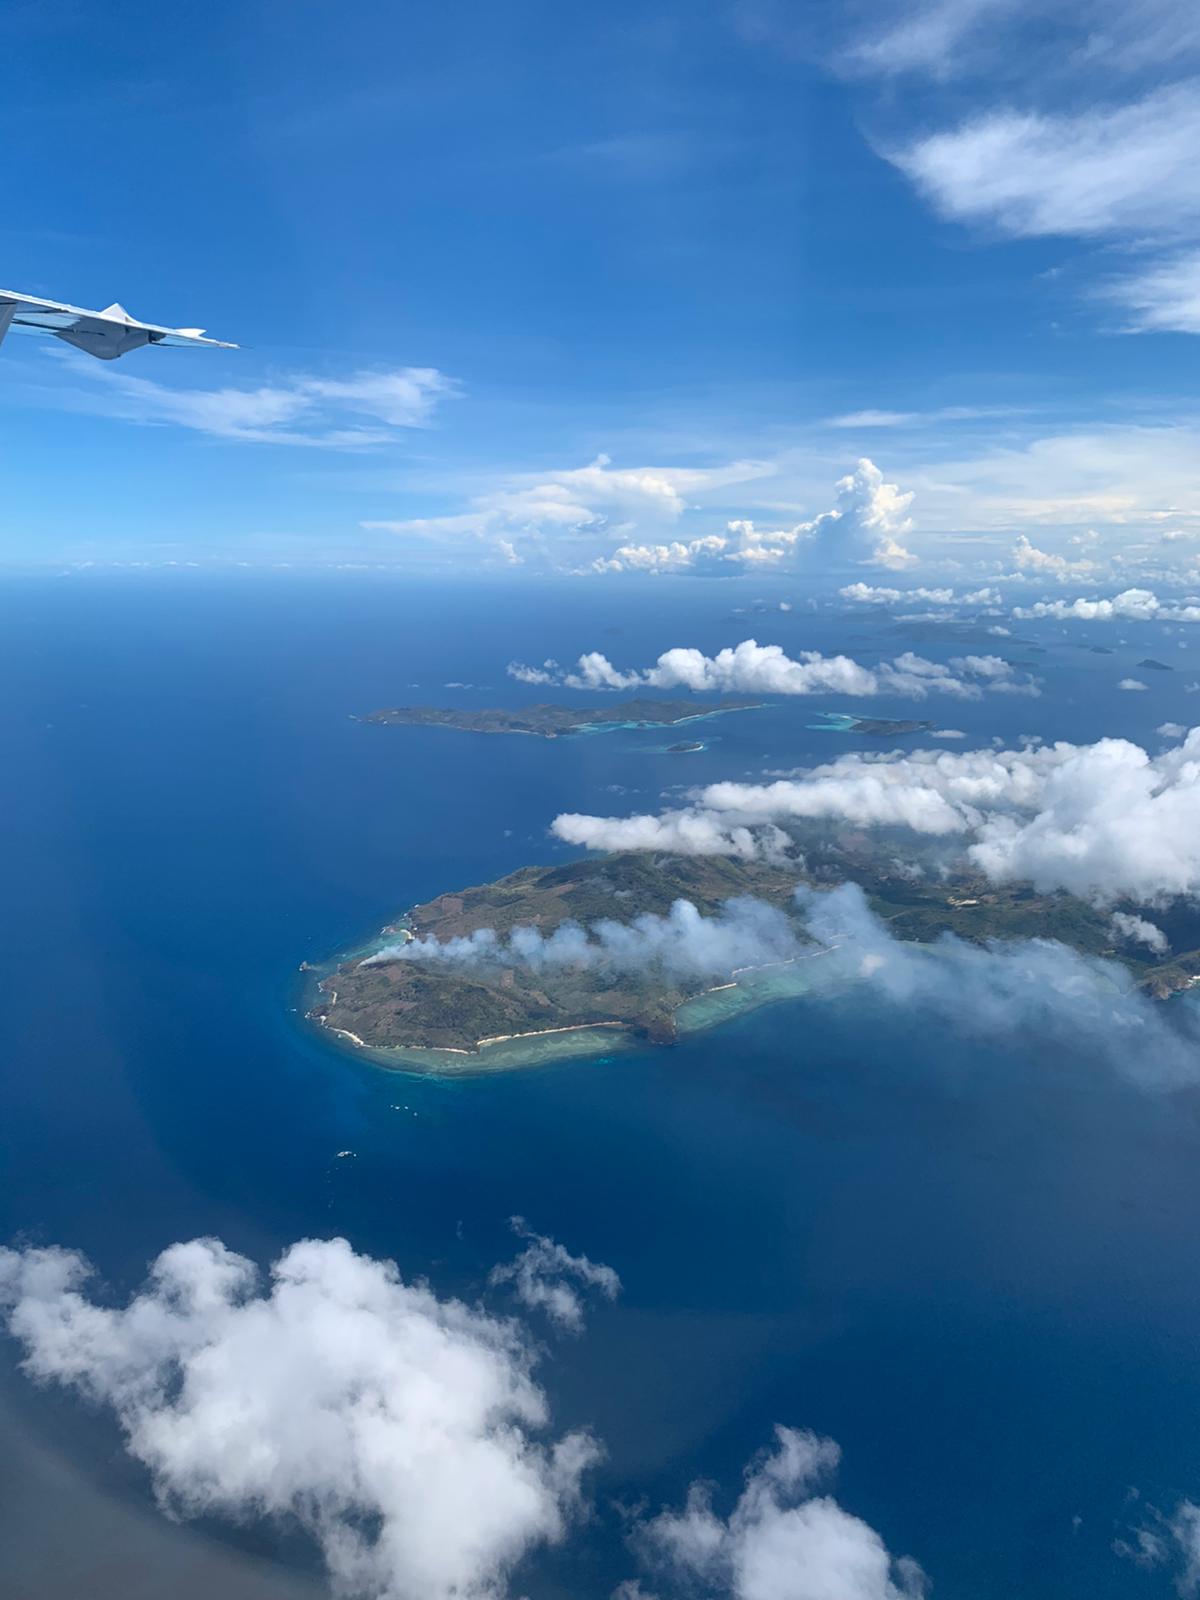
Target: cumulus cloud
{"type": "Point", "coordinates": [546, 1277]}
{"type": "Point", "coordinates": [870, 595]}
{"type": "Point", "coordinates": [785, 1539]}
{"type": "Point", "coordinates": [1132, 684]}
{"type": "Point", "coordinates": [552, 514]}
{"type": "Point", "coordinates": [865, 526]}
{"type": "Point", "coordinates": [674, 557]}
{"type": "Point", "coordinates": [602, 518]}
{"type": "Point", "coordinates": [1105, 821]}
{"type": "Point", "coordinates": [1127, 926]}
{"type": "Point", "coordinates": [1132, 605]}
{"type": "Point", "coordinates": [404, 1432]}
{"type": "Point", "coordinates": [752, 668]}
{"type": "Point", "coordinates": [682, 944]}
{"type": "Point", "coordinates": [1045, 563]}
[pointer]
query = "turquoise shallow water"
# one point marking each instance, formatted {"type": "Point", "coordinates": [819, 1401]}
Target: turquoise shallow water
{"type": "Point", "coordinates": [975, 1268]}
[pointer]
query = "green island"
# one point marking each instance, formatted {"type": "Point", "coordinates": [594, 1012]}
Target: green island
{"type": "Point", "coordinates": [430, 1016]}
{"type": "Point", "coordinates": [880, 727]}
{"type": "Point", "coordinates": [556, 722]}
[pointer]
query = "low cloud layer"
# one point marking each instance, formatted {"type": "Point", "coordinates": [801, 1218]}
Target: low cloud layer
{"type": "Point", "coordinates": [753, 668]}
{"type": "Point", "coordinates": [683, 944]}
{"type": "Point", "coordinates": [1105, 821]}
{"type": "Point", "coordinates": [404, 1432]}
{"type": "Point", "coordinates": [1091, 1007]}
{"type": "Point", "coordinates": [786, 1538]}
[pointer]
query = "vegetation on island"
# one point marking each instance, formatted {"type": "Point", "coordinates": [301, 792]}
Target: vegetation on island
{"type": "Point", "coordinates": [554, 721]}
{"type": "Point", "coordinates": [430, 1005]}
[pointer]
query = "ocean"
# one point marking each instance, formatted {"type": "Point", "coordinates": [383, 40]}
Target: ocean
{"type": "Point", "coordinates": [972, 1265]}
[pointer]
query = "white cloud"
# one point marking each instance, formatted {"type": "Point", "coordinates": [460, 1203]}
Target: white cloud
{"type": "Point", "coordinates": [863, 528]}
{"type": "Point", "coordinates": [1045, 563]}
{"type": "Point", "coordinates": [303, 410]}
{"type": "Point", "coordinates": [1082, 39]}
{"type": "Point", "coordinates": [606, 519]}
{"type": "Point", "coordinates": [868, 595]}
{"type": "Point", "coordinates": [1132, 684]}
{"type": "Point", "coordinates": [752, 668]}
{"type": "Point", "coordinates": [1161, 298]}
{"type": "Point", "coordinates": [401, 1430]}
{"type": "Point", "coordinates": [907, 419]}
{"type": "Point", "coordinates": [546, 1277]}
{"type": "Point", "coordinates": [683, 943]}
{"type": "Point", "coordinates": [593, 501]}
{"type": "Point", "coordinates": [1093, 1008]}
{"type": "Point", "coordinates": [872, 519]}
{"type": "Point", "coordinates": [1172, 1541]}
{"type": "Point", "coordinates": [1120, 170]}
{"type": "Point", "coordinates": [548, 672]}
{"type": "Point", "coordinates": [1126, 926]}
{"type": "Point", "coordinates": [785, 1539]}
{"type": "Point", "coordinates": [1105, 821]}
{"type": "Point", "coordinates": [1172, 730]}
{"type": "Point", "coordinates": [1130, 475]}
{"type": "Point", "coordinates": [673, 557]}
{"type": "Point", "coordinates": [1135, 605]}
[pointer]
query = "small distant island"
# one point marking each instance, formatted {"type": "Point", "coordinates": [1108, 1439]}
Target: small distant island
{"type": "Point", "coordinates": [880, 727]}
{"type": "Point", "coordinates": [433, 1016]}
{"type": "Point", "coordinates": [557, 722]}
{"type": "Point", "coordinates": [1151, 665]}
{"type": "Point", "coordinates": [686, 747]}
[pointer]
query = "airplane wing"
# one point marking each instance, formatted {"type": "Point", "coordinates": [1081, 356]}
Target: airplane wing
{"type": "Point", "coordinates": [107, 334]}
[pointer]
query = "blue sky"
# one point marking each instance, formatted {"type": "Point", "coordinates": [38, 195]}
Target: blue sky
{"type": "Point", "coordinates": [529, 285]}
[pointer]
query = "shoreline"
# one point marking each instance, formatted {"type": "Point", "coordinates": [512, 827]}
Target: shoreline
{"type": "Point", "coordinates": [517, 1052]}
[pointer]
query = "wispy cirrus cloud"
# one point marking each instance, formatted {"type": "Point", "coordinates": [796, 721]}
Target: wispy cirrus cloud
{"type": "Point", "coordinates": [1122, 173]}
{"type": "Point", "coordinates": [360, 411]}
{"type": "Point", "coordinates": [1102, 172]}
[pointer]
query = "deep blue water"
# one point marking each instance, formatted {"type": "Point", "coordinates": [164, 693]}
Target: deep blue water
{"type": "Point", "coordinates": [975, 1268]}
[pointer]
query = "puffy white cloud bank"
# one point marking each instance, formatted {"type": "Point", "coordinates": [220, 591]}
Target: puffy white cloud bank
{"type": "Point", "coordinates": [753, 668]}
{"type": "Point", "coordinates": [606, 518]}
{"type": "Point", "coordinates": [785, 1539]}
{"type": "Point", "coordinates": [866, 594]}
{"type": "Point", "coordinates": [864, 527]}
{"type": "Point", "coordinates": [1131, 605]}
{"type": "Point", "coordinates": [403, 1431]}
{"type": "Point", "coordinates": [1105, 821]}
